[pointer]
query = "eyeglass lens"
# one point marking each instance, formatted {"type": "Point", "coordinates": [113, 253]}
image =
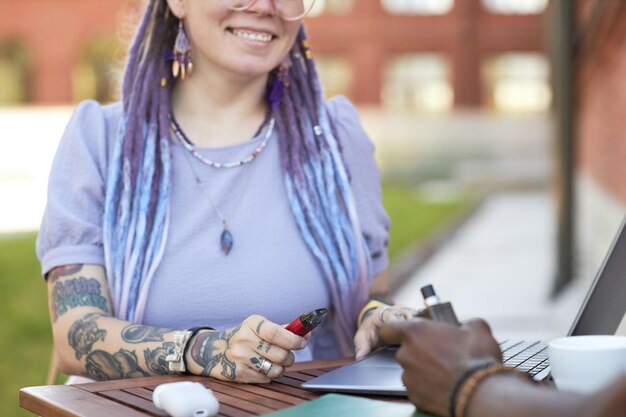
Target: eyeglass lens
{"type": "Point", "coordinates": [287, 9]}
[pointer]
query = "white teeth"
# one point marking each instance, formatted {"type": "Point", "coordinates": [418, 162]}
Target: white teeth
{"type": "Point", "coordinates": [259, 37]}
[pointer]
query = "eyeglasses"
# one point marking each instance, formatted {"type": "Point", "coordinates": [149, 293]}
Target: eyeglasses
{"type": "Point", "coordinates": [287, 9]}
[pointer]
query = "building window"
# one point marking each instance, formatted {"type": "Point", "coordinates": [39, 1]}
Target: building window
{"type": "Point", "coordinates": [15, 73]}
{"type": "Point", "coordinates": [517, 83]}
{"type": "Point", "coordinates": [335, 74]}
{"type": "Point", "coordinates": [516, 6]}
{"type": "Point", "coordinates": [333, 7]}
{"type": "Point", "coordinates": [427, 7]}
{"type": "Point", "coordinates": [98, 73]}
{"type": "Point", "coordinates": [418, 83]}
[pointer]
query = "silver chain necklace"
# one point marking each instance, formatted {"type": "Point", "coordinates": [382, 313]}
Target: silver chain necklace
{"type": "Point", "coordinates": [226, 237]}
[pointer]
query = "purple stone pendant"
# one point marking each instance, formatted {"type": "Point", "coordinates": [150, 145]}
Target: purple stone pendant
{"type": "Point", "coordinates": [226, 240]}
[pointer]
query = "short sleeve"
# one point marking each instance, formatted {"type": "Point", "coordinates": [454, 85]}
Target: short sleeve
{"type": "Point", "coordinates": [358, 152]}
{"type": "Point", "coordinates": [71, 228]}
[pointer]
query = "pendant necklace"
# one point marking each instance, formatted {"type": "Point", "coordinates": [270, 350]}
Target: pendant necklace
{"type": "Point", "coordinates": [226, 237]}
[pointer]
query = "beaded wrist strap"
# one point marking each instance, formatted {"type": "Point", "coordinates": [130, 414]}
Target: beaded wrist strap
{"type": "Point", "coordinates": [176, 360]}
{"type": "Point", "coordinates": [469, 381]}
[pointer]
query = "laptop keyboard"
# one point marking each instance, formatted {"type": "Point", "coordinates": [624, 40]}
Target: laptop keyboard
{"type": "Point", "coordinates": [527, 356]}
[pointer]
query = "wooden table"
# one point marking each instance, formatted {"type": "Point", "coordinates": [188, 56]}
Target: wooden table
{"type": "Point", "coordinates": [133, 397]}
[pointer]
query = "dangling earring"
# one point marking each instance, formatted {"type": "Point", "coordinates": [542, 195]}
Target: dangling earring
{"type": "Point", "coordinates": [182, 54]}
{"type": "Point", "coordinates": [280, 81]}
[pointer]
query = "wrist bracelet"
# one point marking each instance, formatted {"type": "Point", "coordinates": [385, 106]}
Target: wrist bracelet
{"type": "Point", "coordinates": [194, 331]}
{"type": "Point", "coordinates": [371, 305]}
{"type": "Point", "coordinates": [176, 360]}
{"type": "Point", "coordinates": [469, 381]}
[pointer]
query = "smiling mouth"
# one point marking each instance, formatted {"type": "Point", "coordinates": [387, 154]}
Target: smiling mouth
{"type": "Point", "coordinates": [251, 35]}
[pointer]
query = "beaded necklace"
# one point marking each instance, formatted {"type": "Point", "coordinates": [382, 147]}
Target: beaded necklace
{"type": "Point", "coordinates": [226, 237]}
{"type": "Point", "coordinates": [182, 138]}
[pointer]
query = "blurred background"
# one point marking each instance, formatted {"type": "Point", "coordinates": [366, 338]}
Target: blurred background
{"type": "Point", "coordinates": [498, 126]}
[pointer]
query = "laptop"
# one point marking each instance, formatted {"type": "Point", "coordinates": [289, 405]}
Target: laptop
{"type": "Point", "coordinates": [600, 313]}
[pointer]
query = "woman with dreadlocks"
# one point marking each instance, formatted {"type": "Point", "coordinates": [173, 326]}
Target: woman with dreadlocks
{"type": "Point", "coordinates": [221, 197]}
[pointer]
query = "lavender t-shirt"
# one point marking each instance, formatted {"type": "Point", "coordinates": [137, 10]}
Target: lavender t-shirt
{"type": "Point", "coordinates": [270, 270]}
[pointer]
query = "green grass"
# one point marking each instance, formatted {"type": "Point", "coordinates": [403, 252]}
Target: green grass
{"type": "Point", "coordinates": [25, 337]}
{"type": "Point", "coordinates": [414, 217]}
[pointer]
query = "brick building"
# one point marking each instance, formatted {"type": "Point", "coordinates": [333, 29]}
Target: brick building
{"type": "Point", "coordinates": [599, 137]}
{"type": "Point", "coordinates": [57, 46]}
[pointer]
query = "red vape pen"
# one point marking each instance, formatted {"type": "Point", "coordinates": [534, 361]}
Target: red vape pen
{"type": "Point", "coordinates": [307, 322]}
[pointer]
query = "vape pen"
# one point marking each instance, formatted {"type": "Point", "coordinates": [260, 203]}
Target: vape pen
{"type": "Point", "coordinates": [307, 322]}
{"type": "Point", "coordinates": [435, 309]}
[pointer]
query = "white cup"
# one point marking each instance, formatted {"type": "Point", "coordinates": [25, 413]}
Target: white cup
{"type": "Point", "coordinates": [586, 363]}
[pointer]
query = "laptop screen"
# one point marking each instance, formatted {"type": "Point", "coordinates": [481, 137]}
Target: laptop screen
{"type": "Point", "coordinates": [605, 304]}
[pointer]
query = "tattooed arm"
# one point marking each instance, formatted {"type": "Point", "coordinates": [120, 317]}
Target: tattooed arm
{"type": "Point", "coordinates": [90, 341]}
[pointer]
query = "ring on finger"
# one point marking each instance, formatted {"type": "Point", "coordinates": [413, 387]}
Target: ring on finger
{"type": "Point", "coordinates": [266, 366]}
{"type": "Point", "coordinates": [382, 312]}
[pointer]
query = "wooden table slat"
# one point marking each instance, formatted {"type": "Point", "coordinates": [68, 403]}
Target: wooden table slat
{"type": "Point", "coordinates": [237, 392]}
{"type": "Point", "coordinates": [63, 401]}
{"type": "Point", "coordinates": [145, 405]}
{"type": "Point", "coordinates": [266, 392]}
{"type": "Point", "coordinates": [248, 406]}
{"type": "Point", "coordinates": [229, 411]}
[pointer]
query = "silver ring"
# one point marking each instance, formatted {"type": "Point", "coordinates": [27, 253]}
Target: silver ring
{"type": "Point", "coordinates": [266, 366]}
{"type": "Point", "coordinates": [382, 312]}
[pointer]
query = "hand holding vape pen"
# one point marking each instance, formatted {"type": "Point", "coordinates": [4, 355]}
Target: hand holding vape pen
{"type": "Point", "coordinates": [307, 322]}
{"type": "Point", "coordinates": [435, 309]}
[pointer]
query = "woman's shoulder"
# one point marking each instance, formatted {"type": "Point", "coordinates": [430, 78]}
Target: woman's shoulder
{"type": "Point", "coordinates": [345, 117]}
{"type": "Point", "coordinates": [92, 129]}
{"type": "Point", "coordinates": [90, 111]}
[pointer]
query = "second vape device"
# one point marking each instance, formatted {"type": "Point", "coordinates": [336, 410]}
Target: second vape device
{"type": "Point", "coordinates": [435, 309]}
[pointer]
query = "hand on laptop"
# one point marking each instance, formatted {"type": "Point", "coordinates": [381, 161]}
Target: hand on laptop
{"type": "Point", "coordinates": [435, 355]}
{"type": "Point", "coordinates": [366, 338]}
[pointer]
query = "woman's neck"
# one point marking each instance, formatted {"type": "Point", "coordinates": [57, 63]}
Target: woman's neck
{"type": "Point", "coordinates": [216, 112]}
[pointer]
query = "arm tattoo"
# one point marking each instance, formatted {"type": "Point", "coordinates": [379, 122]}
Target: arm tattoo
{"type": "Point", "coordinates": [138, 333]}
{"type": "Point", "coordinates": [155, 359]}
{"type": "Point", "coordinates": [210, 349]}
{"type": "Point", "coordinates": [84, 333]}
{"type": "Point", "coordinates": [77, 292]}
{"type": "Point", "coordinates": [102, 365]}
{"type": "Point", "coordinates": [63, 271]}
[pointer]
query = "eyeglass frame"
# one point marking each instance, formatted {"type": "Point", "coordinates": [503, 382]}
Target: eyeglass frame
{"type": "Point", "coordinates": [289, 19]}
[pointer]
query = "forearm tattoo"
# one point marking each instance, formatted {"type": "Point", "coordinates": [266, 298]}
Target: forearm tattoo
{"type": "Point", "coordinates": [210, 349]}
{"type": "Point", "coordinates": [155, 359]}
{"type": "Point", "coordinates": [84, 333]}
{"type": "Point", "coordinates": [102, 365]}
{"type": "Point", "coordinates": [138, 333]}
{"type": "Point", "coordinates": [77, 292]}
{"type": "Point", "coordinates": [63, 271]}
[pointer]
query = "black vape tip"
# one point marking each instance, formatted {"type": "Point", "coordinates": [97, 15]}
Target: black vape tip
{"type": "Point", "coordinates": [321, 311]}
{"type": "Point", "coordinates": [428, 291]}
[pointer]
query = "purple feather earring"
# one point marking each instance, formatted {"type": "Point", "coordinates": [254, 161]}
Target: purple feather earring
{"type": "Point", "coordinates": [182, 54]}
{"type": "Point", "coordinates": [280, 81]}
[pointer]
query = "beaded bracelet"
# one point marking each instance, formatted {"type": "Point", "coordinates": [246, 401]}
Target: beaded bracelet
{"type": "Point", "coordinates": [469, 381]}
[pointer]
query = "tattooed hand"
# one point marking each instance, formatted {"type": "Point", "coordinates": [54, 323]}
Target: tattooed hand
{"type": "Point", "coordinates": [238, 354]}
{"type": "Point", "coordinates": [367, 338]}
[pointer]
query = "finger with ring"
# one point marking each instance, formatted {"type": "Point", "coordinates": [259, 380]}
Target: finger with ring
{"type": "Point", "coordinates": [265, 366]}
{"type": "Point", "coordinates": [382, 311]}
